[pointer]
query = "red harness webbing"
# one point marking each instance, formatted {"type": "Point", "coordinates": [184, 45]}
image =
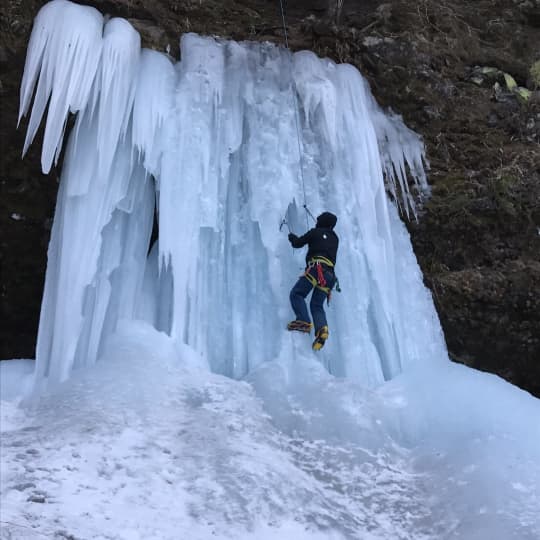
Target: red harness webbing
{"type": "Point", "coordinates": [320, 275]}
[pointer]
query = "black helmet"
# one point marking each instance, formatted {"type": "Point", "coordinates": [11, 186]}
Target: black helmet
{"type": "Point", "coordinates": [326, 220]}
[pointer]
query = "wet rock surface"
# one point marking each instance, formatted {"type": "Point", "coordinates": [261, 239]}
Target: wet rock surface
{"type": "Point", "coordinates": [446, 67]}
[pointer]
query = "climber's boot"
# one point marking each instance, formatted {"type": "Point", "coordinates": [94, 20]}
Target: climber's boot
{"type": "Point", "coordinates": [300, 326]}
{"type": "Point", "coordinates": [320, 338]}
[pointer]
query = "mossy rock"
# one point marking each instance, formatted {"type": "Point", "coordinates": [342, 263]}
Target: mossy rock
{"type": "Point", "coordinates": [510, 81]}
{"type": "Point", "coordinates": [535, 74]}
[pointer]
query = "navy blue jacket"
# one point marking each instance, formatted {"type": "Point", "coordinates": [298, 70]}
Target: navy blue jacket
{"type": "Point", "coordinates": [322, 242]}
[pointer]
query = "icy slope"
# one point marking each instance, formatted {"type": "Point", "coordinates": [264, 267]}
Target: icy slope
{"type": "Point", "coordinates": [145, 446]}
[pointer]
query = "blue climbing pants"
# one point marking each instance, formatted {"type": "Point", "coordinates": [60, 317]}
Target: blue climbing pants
{"type": "Point", "coordinates": [299, 292]}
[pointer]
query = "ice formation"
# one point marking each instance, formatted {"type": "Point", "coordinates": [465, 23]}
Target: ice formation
{"type": "Point", "coordinates": [226, 142]}
{"type": "Point", "coordinates": [212, 153]}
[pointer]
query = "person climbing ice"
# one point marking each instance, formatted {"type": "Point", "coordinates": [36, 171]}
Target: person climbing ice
{"type": "Point", "coordinates": [318, 276]}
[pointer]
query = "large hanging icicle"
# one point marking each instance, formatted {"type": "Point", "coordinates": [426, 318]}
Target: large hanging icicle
{"type": "Point", "coordinates": [64, 52]}
{"type": "Point", "coordinates": [233, 135]}
{"type": "Point", "coordinates": [154, 91]}
{"type": "Point", "coordinates": [119, 66]}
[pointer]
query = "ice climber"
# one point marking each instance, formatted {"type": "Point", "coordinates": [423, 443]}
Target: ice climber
{"type": "Point", "coordinates": [318, 276]}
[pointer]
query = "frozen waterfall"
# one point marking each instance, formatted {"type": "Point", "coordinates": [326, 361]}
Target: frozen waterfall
{"type": "Point", "coordinates": [167, 269]}
{"type": "Point", "coordinates": [221, 146]}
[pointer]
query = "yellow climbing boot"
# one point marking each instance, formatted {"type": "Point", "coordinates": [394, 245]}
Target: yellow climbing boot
{"type": "Point", "coordinates": [320, 338]}
{"type": "Point", "coordinates": [300, 326]}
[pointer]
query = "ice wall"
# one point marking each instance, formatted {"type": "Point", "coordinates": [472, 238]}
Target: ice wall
{"type": "Point", "coordinates": [220, 146]}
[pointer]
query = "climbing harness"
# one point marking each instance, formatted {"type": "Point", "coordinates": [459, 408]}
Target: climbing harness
{"type": "Point", "coordinates": [319, 282]}
{"type": "Point", "coordinates": [320, 275]}
{"type": "Point", "coordinates": [315, 281]}
{"type": "Point", "coordinates": [322, 260]}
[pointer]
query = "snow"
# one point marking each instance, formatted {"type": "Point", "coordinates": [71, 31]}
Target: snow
{"type": "Point", "coordinates": [16, 377]}
{"type": "Point", "coordinates": [145, 445]}
{"type": "Point", "coordinates": [166, 400]}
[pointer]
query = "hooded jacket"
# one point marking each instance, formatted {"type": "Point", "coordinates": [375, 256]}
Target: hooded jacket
{"type": "Point", "coordinates": [322, 240]}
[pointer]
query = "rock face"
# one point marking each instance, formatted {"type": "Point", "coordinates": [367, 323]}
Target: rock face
{"type": "Point", "coordinates": [463, 74]}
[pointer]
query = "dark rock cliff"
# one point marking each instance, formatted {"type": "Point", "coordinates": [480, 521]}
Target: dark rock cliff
{"type": "Point", "coordinates": [465, 75]}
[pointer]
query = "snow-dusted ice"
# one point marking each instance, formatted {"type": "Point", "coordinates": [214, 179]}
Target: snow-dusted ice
{"type": "Point", "coordinates": [167, 400]}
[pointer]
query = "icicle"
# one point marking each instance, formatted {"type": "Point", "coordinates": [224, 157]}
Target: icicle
{"type": "Point", "coordinates": [313, 80]}
{"type": "Point", "coordinates": [154, 100]}
{"type": "Point", "coordinates": [120, 62]}
{"type": "Point", "coordinates": [403, 155]}
{"type": "Point", "coordinates": [64, 51]}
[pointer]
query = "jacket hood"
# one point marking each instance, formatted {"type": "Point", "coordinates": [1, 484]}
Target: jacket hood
{"type": "Point", "coordinates": [326, 220]}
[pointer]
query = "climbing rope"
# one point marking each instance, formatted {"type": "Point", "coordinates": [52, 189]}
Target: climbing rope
{"type": "Point", "coordinates": [296, 121]}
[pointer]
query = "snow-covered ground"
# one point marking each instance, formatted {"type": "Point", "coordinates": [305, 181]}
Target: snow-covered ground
{"type": "Point", "coordinates": [142, 446]}
{"type": "Point", "coordinates": [145, 445]}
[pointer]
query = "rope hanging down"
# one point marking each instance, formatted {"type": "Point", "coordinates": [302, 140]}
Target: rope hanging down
{"type": "Point", "coordinates": [296, 122]}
